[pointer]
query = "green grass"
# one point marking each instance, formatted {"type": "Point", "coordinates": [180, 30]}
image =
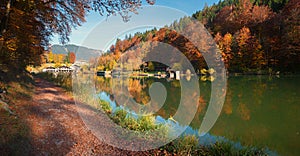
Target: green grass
{"type": "Point", "coordinates": [147, 122]}
{"type": "Point", "coordinates": [105, 106]}
{"type": "Point", "coordinates": [130, 123]}
{"type": "Point", "coordinates": [227, 148]}
{"type": "Point", "coordinates": [143, 125]}
{"type": "Point", "coordinates": [189, 145]}
{"type": "Point", "coordinates": [119, 116]}
{"type": "Point", "coordinates": [184, 145]}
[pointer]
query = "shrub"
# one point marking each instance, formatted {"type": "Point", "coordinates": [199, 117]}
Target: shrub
{"type": "Point", "coordinates": [105, 106]}
{"type": "Point", "coordinates": [146, 122]}
{"type": "Point", "coordinates": [186, 145]}
{"type": "Point", "coordinates": [130, 123]}
{"type": "Point", "coordinates": [119, 115]}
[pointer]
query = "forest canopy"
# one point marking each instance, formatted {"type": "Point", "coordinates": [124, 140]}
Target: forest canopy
{"type": "Point", "coordinates": [27, 26]}
{"type": "Point", "coordinates": [253, 36]}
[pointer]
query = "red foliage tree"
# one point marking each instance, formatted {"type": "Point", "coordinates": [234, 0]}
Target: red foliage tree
{"type": "Point", "coordinates": [72, 57]}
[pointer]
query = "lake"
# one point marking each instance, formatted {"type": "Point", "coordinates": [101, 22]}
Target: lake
{"type": "Point", "coordinates": [262, 111]}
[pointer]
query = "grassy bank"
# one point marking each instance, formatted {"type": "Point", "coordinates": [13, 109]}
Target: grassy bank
{"type": "Point", "coordinates": [14, 130]}
{"type": "Point", "coordinates": [189, 145]}
{"type": "Point", "coordinates": [14, 135]}
{"type": "Point", "coordinates": [184, 145]}
{"type": "Point", "coordinates": [140, 123]}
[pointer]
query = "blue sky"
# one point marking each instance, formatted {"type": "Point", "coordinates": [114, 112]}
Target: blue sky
{"type": "Point", "coordinates": [99, 32]}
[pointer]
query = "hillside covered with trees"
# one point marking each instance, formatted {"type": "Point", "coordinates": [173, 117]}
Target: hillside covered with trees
{"type": "Point", "coordinates": [82, 53]}
{"type": "Point", "coordinates": [253, 36]}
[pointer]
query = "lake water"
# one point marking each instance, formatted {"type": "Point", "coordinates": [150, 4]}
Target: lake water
{"type": "Point", "coordinates": [260, 111]}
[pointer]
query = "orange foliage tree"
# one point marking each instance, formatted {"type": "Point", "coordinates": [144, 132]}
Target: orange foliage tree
{"type": "Point", "coordinates": [72, 57]}
{"type": "Point", "coordinates": [26, 26]}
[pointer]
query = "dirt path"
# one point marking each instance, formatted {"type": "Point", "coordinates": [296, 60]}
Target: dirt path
{"type": "Point", "coordinates": [57, 129]}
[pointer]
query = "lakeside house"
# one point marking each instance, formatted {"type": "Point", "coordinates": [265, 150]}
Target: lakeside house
{"type": "Point", "coordinates": [49, 69]}
{"type": "Point", "coordinates": [64, 69]}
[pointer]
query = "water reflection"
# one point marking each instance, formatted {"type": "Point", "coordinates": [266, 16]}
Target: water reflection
{"type": "Point", "coordinates": [260, 111]}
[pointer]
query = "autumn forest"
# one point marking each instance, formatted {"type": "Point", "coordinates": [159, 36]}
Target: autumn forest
{"type": "Point", "coordinates": [253, 36]}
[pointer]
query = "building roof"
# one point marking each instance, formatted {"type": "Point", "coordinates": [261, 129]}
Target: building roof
{"type": "Point", "coordinates": [50, 68]}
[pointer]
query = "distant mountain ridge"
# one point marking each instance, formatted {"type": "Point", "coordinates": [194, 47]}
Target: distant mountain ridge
{"type": "Point", "coordinates": [82, 53]}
